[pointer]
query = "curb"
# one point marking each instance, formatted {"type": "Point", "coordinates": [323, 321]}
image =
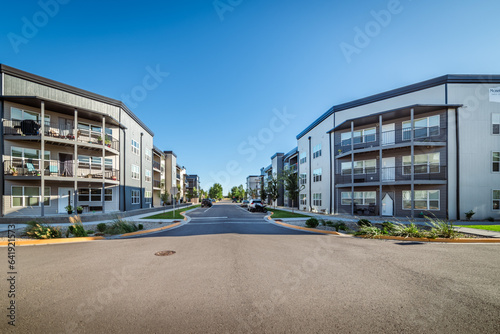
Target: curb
{"type": "Point", "coordinates": [313, 230]}
{"type": "Point", "coordinates": [50, 241]}
{"type": "Point", "coordinates": [458, 241]}
{"type": "Point", "coordinates": [149, 231]}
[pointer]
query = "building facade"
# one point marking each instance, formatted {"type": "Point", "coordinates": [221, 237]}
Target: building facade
{"type": "Point", "coordinates": [253, 186]}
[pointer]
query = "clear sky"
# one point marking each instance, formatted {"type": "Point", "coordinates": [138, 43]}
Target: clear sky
{"type": "Point", "coordinates": [234, 65]}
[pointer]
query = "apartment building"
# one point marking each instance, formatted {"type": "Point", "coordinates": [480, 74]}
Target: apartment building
{"type": "Point", "coordinates": [431, 148]}
{"type": "Point", "coordinates": [192, 187]}
{"type": "Point", "coordinates": [275, 170]}
{"type": "Point", "coordinates": [253, 186]}
{"type": "Point", "coordinates": [159, 173]}
{"type": "Point", "coordinates": [64, 146]}
{"type": "Point", "coordinates": [290, 163]}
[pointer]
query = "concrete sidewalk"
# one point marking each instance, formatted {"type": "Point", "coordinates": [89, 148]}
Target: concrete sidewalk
{"type": "Point", "coordinates": [4, 227]}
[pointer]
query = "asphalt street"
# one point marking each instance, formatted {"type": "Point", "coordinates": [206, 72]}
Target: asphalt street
{"type": "Point", "coordinates": [241, 274]}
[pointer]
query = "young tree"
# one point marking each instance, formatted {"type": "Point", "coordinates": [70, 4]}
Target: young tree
{"type": "Point", "coordinates": [263, 192]}
{"type": "Point", "coordinates": [273, 189]}
{"type": "Point", "coordinates": [216, 191]}
{"type": "Point", "coordinates": [241, 192]}
{"type": "Point", "coordinates": [291, 184]}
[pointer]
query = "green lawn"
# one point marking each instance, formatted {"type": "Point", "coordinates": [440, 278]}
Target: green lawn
{"type": "Point", "coordinates": [286, 214]}
{"type": "Point", "coordinates": [170, 215]}
{"type": "Point", "coordinates": [495, 228]}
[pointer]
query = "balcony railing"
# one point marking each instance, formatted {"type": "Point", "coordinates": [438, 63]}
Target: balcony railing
{"type": "Point", "coordinates": [421, 134]}
{"type": "Point", "coordinates": [157, 184]}
{"type": "Point", "coordinates": [31, 167]}
{"type": "Point", "coordinates": [392, 174]}
{"type": "Point", "coordinates": [156, 165]}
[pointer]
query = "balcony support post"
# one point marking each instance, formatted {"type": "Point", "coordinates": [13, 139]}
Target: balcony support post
{"type": "Point", "coordinates": [352, 168]}
{"type": "Point", "coordinates": [75, 158]}
{"type": "Point", "coordinates": [412, 116]}
{"type": "Point", "coordinates": [42, 160]}
{"type": "Point", "coordinates": [380, 165]}
{"type": "Point", "coordinates": [103, 136]}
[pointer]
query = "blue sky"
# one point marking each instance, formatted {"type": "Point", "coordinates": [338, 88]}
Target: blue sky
{"type": "Point", "coordinates": [233, 64]}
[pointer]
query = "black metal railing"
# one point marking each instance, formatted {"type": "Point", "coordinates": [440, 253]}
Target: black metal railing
{"type": "Point", "coordinates": [156, 183]}
{"type": "Point", "coordinates": [421, 134]}
{"type": "Point", "coordinates": [21, 127]}
{"type": "Point", "coordinates": [391, 174]}
{"type": "Point", "coordinates": [156, 164]}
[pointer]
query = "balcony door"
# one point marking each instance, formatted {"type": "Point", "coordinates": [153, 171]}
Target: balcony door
{"type": "Point", "coordinates": [65, 198]}
{"type": "Point", "coordinates": [66, 164]}
{"type": "Point", "coordinates": [387, 205]}
{"type": "Point", "coordinates": [389, 134]}
{"type": "Point", "coordinates": [388, 169]}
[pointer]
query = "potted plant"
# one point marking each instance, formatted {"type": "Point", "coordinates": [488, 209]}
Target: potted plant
{"type": "Point", "coordinates": [79, 209]}
{"type": "Point", "coordinates": [99, 140]}
{"type": "Point", "coordinates": [469, 214]}
{"type": "Point", "coordinates": [113, 178]}
{"type": "Point", "coordinates": [107, 141]}
{"type": "Point", "coordinates": [13, 170]}
{"type": "Point", "coordinates": [69, 208]}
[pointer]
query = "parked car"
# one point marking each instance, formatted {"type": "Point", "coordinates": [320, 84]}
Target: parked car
{"type": "Point", "coordinates": [206, 203]}
{"type": "Point", "coordinates": [253, 202]}
{"type": "Point", "coordinates": [244, 204]}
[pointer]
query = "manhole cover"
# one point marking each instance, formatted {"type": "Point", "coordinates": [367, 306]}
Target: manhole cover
{"type": "Point", "coordinates": [165, 253]}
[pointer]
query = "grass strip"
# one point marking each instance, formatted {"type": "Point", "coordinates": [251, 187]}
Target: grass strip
{"type": "Point", "coordinates": [495, 228]}
{"type": "Point", "coordinates": [286, 214]}
{"type": "Point", "coordinates": [170, 214]}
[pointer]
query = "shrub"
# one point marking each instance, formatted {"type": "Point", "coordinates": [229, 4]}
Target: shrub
{"type": "Point", "coordinates": [340, 226]}
{"type": "Point", "coordinates": [312, 222]}
{"type": "Point", "coordinates": [370, 231]}
{"type": "Point", "coordinates": [90, 232]}
{"type": "Point", "coordinates": [407, 231]}
{"type": "Point", "coordinates": [101, 227]}
{"type": "Point", "coordinates": [120, 226]}
{"type": "Point", "coordinates": [323, 222]}
{"type": "Point", "coordinates": [364, 223]}
{"type": "Point", "coordinates": [490, 219]}
{"type": "Point", "coordinates": [42, 231]}
{"type": "Point", "coordinates": [140, 226]}
{"type": "Point", "coordinates": [469, 214]}
{"type": "Point", "coordinates": [387, 227]}
{"type": "Point", "coordinates": [442, 228]}
{"type": "Point", "coordinates": [76, 229]}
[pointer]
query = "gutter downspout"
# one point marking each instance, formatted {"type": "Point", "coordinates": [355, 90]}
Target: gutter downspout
{"type": "Point", "coordinates": [310, 173]}
{"type": "Point", "coordinates": [141, 157]}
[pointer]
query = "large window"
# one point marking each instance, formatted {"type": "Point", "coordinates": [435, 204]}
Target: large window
{"type": "Point", "coordinates": [317, 175]}
{"type": "Point", "coordinates": [147, 153]}
{"type": "Point", "coordinates": [17, 114]}
{"type": "Point", "coordinates": [424, 164]}
{"type": "Point", "coordinates": [495, 127]}
{"type": "Point", "coordinates": [147, 175]}
{"type": "Point", "coordinates": [424, 127]}
{"type": "Point", "coordinates": [134, 169]}
{"type": "Point", "coordinates": [360, 167]}
{"type": "Point", "coordinates": [135, 194]}
{"type": "Point", "coordinates": [26, 154]}
{"type": "Point", "coordinates": [359, 136]}
{"type": "Point", "coordinates": [303, 199]}
{"type": "Point", "coordinates": [108, 194]}
{"type": "Point", "coordinates": [360, 197]}
{"type": "Point", "coordinates": [89, 194]}
{"type": "Point", "coordinates": [303, 178]}
{"type": "Point", "coordinates": [29, 196]}
{"type": "Point", "coordinates": [148, 195]}
{"type": "Point", "coordinates": [135, 147]}
{"type": "Point", "coordinates": [424, 200]}
{"type": "Point", "coordinates": [317, 199]}
{"type": "Point", "coordinates": [495, 162]}
{"type": "Point", "coordinates": [303, 157]}
{"type": "Point", "coordinates": [496, 199]}
{"type": "Point", "coordinates": [316, 151]}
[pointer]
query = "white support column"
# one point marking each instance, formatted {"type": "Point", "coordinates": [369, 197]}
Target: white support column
{"type": "Point", "coordinates": [75, 159]}
{"type": "Point", "coordinates": [103, 136]}
{"type": "Point", "coordinates": [352, 168]}
{"type": "Point", "coordinates": [412, 136]}
{"type": "Point", "coordinates": [42, 160]}
{"type": "Point", "coordinates": [380, 166]}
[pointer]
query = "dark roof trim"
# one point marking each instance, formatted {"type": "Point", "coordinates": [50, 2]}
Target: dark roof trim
{"type": "Point", "coordinates": [253, 176]}
{"type": "Point", "coordinates": [275, 155]}
{"type": "Point", "coordinates": [430, 107]}
{"type": "Point", "coordinates": [71, 89]}
{"type": "Point", "coordinates": [170, 152]}
{"type": "Point", "coordinates": [455, 78]}
{"type": "Point", "coordinates": [157, 150]}
{"type": "Point", "coordinates": [292, 152]}
{"type": "Point", "coordinates": [268, 168]}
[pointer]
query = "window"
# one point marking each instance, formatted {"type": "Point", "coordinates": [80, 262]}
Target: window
{"type": "Point", "coordinates": [89, 195]}
{"type": "Point", "coordinates": [317, 199]}
{"type": "Point", "coordinates": [147, 175]}
{"type": "Point", "coordinates": [495, 120]}
{"type": "Point", "coordinates": [303, 199]}
{"type": "Point", "coordinates": [28, 154]}
{"type": "Point", "coordinates": [360, 167]}
{"type": "Point", "coordinates": [496, 199]}
{"type": "Point", "coordinates": [147, 153]}
{"type": "Point", "coordinates": [496, 162]}
{"type": "Point", "coordinates": [29, 196]}
{"type": "Point", "coordinates": [84, 195]}
{"type": "Point", "coordinates": [95, 195]}
{"type": "Point", "coordinates": [360, 198]}
{"type": "Point", "coordinates": [108, 163]}
{"type": "Point", "coordinates": [424, 200]}
{"type": "Point", "coordinates": [303, 157]}
{"type": "Point", "coordinates": [424, 127]}
{"type": "Point", "coordinates": [424, 164]}
{"type": "Point", "coordinates": [317, 151]}
{"type": "Point", "coordinates": [96, 160]}
{"type": "Point", "coordinates": [360, 136]}
{"type": "Point", "coordinates": [135, 196]}
{"type": "Point", "coordinates": [148, 195]}
{"type": "Point", "coordinates": [317, 175]}
{"type": "Point", "coordinates": [303, 178]}
{"type": "Point", "coordinates": [17, 114]}
{"type": "Point", "coordinates": [135, 147]}
{"type": "Point", "coordinates": [108, 194]}
{"type": "Point", "coordinates": [134, 169]}
{"type": "Point", "coordinates": [83, 160]}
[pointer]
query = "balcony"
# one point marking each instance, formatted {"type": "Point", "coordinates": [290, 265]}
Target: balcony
{"type": "Point", "coordinates": [57, 133]}
{"type": "Point", "coordinates": [396, 174]}
{"type": "Point", "coordinates": [157, 184]}
{"type": "Point", "coordinates": [395, 138]}
{"type": "Point", "coordinates": [56, 168]}
{"type": "Point", "coordinates": [156, 165]}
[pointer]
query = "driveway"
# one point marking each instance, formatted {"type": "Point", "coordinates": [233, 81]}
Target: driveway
{"type": "Point", "coordinates": [242, 275]}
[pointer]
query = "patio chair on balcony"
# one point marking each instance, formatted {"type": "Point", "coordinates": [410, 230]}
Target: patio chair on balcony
{"type": "Point", "coordinates": [31, 168]}
{"type": "Point", "coordinates": [53, 170]}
